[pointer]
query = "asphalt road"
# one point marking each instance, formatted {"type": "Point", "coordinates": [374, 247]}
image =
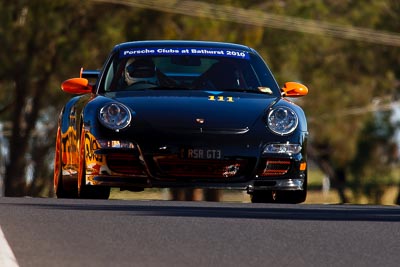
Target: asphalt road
{"type": "Point", "coordinates": [54, 232]}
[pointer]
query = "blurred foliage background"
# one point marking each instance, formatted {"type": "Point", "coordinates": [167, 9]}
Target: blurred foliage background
{"type": "Point", "coordinates": [346, 52]}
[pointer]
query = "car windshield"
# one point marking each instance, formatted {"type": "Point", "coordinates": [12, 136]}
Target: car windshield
{"type": "Point", "coordinates": [188, 69]}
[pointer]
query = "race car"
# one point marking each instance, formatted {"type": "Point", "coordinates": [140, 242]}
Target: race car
{"type": "Point", "coordinates": [182, 114]}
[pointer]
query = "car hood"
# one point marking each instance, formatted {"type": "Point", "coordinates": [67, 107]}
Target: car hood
{"type": "Point", "coordinates": [205, 110]}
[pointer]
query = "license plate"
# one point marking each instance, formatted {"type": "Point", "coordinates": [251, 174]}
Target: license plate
{"type": "Point", "coordinates": [201, 153]}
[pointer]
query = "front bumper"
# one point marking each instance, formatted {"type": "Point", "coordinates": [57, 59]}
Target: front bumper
{"type": "Point", "coordinates": [164, 167]}
{"type": "Point", "coordinates": [249, 186]}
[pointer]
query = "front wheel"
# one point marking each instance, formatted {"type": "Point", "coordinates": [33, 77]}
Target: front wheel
{"type": "Point", "coordinates": [84, 190]}
{"type": "Point", "coordinates": [94, 192]}
{"type": "Point", "coordinates": [262, 196]}
{"type": "Point", "coordinates": [287, 197]}
{"type": "Point", "coordinates": [61, 188]}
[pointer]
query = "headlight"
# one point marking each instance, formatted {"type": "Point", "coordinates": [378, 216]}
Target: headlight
{"type": "Point", "coordinates": [282, 148]}
{"type": "Point", "coordinates": [282, 120]}
{"type": "Point", "coordinates": [115, 116]}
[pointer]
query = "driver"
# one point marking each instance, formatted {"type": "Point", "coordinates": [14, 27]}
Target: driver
{"type": "Point", "coordinates": [141, 70]}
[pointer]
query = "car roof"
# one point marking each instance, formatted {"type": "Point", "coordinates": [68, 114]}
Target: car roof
{"type": "Point", "coordinates": [182, 43]}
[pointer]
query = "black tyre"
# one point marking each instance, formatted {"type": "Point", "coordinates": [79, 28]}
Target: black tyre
{"type": "Point", "coordinates": [62, 189]}
{"type": "Point", "coordinates": [88, 191]}
{"type": "Point", "coordinates": [94, 192]}
{"type": "Point", "coordinates": [287, 197]}
{"type": "Point", "coordinates": [292, 197]}
{"type": "Point", "coordinates": [262, 196]}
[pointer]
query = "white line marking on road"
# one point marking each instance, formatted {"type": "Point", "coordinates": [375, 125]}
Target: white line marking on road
{"type": "Point", "coordinates": [7, 258]}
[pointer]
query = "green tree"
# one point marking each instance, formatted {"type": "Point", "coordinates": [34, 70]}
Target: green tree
{"type": "Point", "coordinates": [376, 153]}
{"type": "Point", "coordinates": [41, 41]}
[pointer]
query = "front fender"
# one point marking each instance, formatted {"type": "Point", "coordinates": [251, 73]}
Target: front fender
{"type": "Point", "coordinates": [70, 121]}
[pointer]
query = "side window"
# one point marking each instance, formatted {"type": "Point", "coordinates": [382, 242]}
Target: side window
{"type": "Point", "coordinates": [264, 75]}
{"type": "Point", "coordinates": [109, 78]}
{"type": "Point", "coordinates": [250, 76]}
{"type": "Point", "coordinates": [113, 74]}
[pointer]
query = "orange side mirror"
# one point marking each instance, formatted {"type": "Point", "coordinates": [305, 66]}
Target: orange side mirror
{"type": "Point", "coordinates": [76, 86]}
{"type": "Point", "coordinates": [293, 89]}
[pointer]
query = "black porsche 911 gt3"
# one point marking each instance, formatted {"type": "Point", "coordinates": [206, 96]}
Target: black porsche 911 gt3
{"type": "Point", "coordinates": [187, 114]}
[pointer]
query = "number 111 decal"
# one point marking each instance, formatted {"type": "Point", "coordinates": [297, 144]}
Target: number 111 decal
{"type": "Point", "coordinates": [220, 98]}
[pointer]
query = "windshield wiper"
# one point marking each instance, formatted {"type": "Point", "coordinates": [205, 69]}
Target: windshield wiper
{"type": "Point", "coordinates": [243, 90]}
{"type": "Point", "coordinates": [171, 87]}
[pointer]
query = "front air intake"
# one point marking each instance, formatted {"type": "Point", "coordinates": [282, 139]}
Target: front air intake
{"type": "Point", "coordinates": [275, 168]}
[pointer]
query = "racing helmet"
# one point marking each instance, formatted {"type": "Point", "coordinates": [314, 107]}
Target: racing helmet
{"type": "Point", "coordinates": [140, 70]}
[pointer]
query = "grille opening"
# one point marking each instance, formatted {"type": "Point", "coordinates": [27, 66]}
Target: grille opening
{"type": "Point", "coordinates": [176, 167]}
{"type": "Point", "coordinates": [125, 163]}
{"type": "Point", "coordinates": [275, 168]}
